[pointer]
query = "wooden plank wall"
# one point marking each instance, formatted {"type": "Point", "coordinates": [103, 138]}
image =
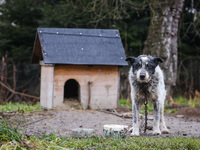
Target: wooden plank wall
{"type": "Point", "coordinates": [46, 87]}
{"type": "Point", "coordinates": [104, 87]}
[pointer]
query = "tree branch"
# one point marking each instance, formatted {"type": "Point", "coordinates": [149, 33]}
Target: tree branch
{"type": "Point", "coordinates": [22, 94]}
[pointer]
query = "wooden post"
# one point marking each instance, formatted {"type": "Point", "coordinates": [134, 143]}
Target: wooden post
{"type": "Point", "coordinates": [47, 85]}
{"type": "Point", "coordinates": [89, 94]}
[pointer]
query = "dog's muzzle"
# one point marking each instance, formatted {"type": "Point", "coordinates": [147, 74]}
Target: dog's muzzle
{"type": "Point", "coordinates": [142, 75]}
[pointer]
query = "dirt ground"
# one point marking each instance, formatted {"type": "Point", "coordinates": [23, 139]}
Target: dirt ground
{"type": "Point", "coordinates": [184, 123]}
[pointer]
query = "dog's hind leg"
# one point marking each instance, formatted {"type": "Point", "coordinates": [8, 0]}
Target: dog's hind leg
{"type": "Point", "coordinates": [163, 127]}
{"type": "Point", "coordinates": [156, 126]}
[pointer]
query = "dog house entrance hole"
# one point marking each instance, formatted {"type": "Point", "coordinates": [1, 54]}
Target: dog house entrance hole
{"type": "Point", "coordinates": [72, 90]}
{"type": "Point", "coordinates": [72, 94]}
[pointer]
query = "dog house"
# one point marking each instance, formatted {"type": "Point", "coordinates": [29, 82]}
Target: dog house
{"type": "Point", "coordinates": [79, 64]}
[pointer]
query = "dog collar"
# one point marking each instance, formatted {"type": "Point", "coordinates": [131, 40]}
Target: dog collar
{"type": "Point", "coordinates": [149, 83]}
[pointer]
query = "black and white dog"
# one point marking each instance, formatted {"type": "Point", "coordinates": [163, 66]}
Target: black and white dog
{"type": "Point", "coordinates": [146, 79]}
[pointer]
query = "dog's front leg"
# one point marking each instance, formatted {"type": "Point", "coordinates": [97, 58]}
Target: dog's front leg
{"type": "Point", "coordinates": [156, 126]}
{"type": "Point", "coordinates": [135, 109]}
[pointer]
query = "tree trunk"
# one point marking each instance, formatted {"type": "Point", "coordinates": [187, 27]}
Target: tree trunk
{"type": "Point", "coordinates": [3, 73]}
{"type": "Point", "coordinates": [162, 37]}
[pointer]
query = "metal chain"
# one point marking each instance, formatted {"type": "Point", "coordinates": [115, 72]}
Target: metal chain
{"type": "Point", "coordinates": [146, 113]}
{"type": "Point", "coordinates": [145, 103]}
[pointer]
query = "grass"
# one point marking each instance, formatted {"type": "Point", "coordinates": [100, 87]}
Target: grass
{"type": "Point", "coordinates": [58, 143]}
{"type": "Point", "coordinates": [11, 138]}
{"type": "Point", "coordinates": [187, 102]}
{"type": "Point", "coordinates": [20, 107]}
{"type": "Point", "coordinates": [123, 103]}
{"type": "Point", "coordinates": [7, 133]}
{"type": "Point", "coordinates": [24, 107]}
{"type": "Point", "coordinates": [180, 100]}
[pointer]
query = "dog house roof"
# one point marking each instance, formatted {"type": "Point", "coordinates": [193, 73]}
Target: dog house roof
{"type": "Point", "coordinates": [78, 46]}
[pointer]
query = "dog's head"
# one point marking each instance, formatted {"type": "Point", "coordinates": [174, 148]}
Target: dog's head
{"type": "Point", "coordinates": [144, 67]}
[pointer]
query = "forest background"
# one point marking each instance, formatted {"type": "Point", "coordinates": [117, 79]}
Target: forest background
{"type": "Point", "coordinates": [19, 20]}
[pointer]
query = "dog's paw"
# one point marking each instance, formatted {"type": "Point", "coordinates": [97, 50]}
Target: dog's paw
{"type": "Point", "coordinates": [131, 129]}
{"type": "Point", "coordinates": [135, 133]}
{"type": "Point", "coordinates": [157, 132]}
{"type": "Point", "coordinates": [165, 131]}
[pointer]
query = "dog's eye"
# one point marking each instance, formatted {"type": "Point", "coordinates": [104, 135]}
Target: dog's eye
{"type": "Point", "coordinates": [138, 65]}
{"type": "Point", "coordinates": [148, 65]}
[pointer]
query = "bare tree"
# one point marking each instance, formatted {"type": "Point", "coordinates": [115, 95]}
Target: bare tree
{"type": "Point", "coordinates": [3, 73]}
{"type": "Point", "coordinates": [162, 37]}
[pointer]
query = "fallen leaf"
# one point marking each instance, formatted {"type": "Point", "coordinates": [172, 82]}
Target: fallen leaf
{"type": "Point", "coordinates": [27, 143]}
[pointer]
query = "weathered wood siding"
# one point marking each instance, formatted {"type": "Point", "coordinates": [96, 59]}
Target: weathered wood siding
{"type": "Point", "coordinates": [104, 88]}
{"type": "Point", "coordinates": [47, 86]}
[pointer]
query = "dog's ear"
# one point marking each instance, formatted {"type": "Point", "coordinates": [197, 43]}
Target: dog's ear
{"type": "Point", "coordinates": [130, 59]}
{"type": "Point", "coordinates": [157, 60]}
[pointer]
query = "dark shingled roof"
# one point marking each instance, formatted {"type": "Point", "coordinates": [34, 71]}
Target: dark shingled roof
{"type": "Point", "coordinates": [78, 46]}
